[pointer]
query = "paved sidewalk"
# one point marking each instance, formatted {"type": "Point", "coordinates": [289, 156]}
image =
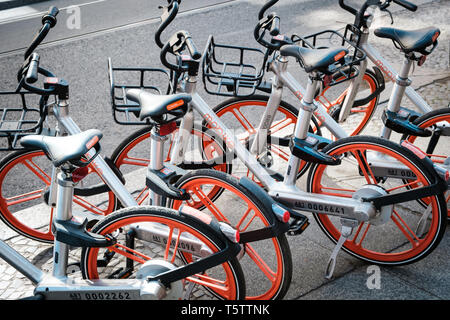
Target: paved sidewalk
{"type": "Point", "coordinates": [428, 279]}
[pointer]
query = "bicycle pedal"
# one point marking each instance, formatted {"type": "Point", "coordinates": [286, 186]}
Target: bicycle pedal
{"type": "Point", "coordinates": [297, 226]}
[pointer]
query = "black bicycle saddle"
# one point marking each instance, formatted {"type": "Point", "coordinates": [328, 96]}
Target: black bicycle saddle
{"type": "Point", "coordinates": [314, 59]}
{"type": "Point", "coordinates": [410, 41]}
{"type": "Point", "coordinates": [63, 149]}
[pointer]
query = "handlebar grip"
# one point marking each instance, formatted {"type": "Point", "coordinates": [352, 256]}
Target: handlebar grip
{"type": "Point", "coordinates": [195, 54]}
{"type": "Point", "coordinates": [33, 67]}
{"type": "Point", "coordinates": [406, 4]}
{"type": "Point", "coordinates": [275, 28]}
{"type": "Point", "coordinates": [50, 17]}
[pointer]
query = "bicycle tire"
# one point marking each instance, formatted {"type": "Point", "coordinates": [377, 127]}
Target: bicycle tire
{"type": "Point", "coordinates": [192, 228]}
{"type": "Point", "coordinates": [401, 218]}
{"type": "Point", "coordinates": [429, 120]}
{"type": "Point", "coordinates": [267, 262]}
{"type": "Point", "coordinates": [33, 170]}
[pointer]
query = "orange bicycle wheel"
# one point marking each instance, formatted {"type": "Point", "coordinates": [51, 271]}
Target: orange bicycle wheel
{"type": "Point", "coordinates": [171, 246]}
{"type": "Point", "coordinates": [25, 177]}
{"type": "Point", "coordinates": [406, 235]}
{"type": "Point", "coordinates": [268, 262]}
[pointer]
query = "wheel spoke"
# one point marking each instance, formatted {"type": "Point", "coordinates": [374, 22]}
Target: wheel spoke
{"type": "Point", "coordinates": [37, 171]}
{"type": "Point", "coordinates": [209, 204]}
{"type": "Point", "coordinates": [88, 206]}
{"type": "Point", "coordinates": [405, 229]}
{"type": "Point", "coordinates": [268, 272]}
{"type": "Point", "coordinates": [135, 161]}
{"type": "Point", "coordinates": [28, 197]}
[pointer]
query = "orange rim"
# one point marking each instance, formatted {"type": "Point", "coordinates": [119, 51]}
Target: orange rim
{"type": "Point", "coordinates": [224, 288]}
{"type": "Point", "coordinates": [437, 158]}
{"type": "Point", "coordinates": [235, 110]}
{"type": "Point", "coordinates": [356, 244]}
{"type": "Point", "coordinates": [28, 161]}
{"type": "Point", "coordinates": [250, 214]}
{"type": "Point", "coordinates": [367, 109]}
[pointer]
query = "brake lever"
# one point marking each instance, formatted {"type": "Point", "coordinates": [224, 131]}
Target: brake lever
{"type": "Point", "coordinates": [390, 13]}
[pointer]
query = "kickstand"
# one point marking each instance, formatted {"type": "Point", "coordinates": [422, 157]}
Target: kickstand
{"type": "Point", "coordinates": [345, 233]}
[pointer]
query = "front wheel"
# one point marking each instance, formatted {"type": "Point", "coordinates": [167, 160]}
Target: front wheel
{"type": "Point", "coordinates": [25, 179]}
{"type": "Point", "coordinates": [438, 122]}
{"type": "Point", "coordinates": [403, 234]}
{"type": "Point", "coordinates": [170, 241]}
{"type": "Point", "coordinates": [267, 263]}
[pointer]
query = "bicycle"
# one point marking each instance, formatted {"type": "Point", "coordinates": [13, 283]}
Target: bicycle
{"type": "Point", "coordinates": [119, 259]}
{"type": "Point", "coordinates": [355, 103]}
{"type": "Point", "coordinates": [268, 217]}
{"type": "Point", "coordinates": [397, 176]}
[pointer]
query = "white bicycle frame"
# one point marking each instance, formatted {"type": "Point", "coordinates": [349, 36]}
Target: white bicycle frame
{"type": "Point", "coordinates": [286, 191]}
{"type": "Point", "coordinates": [390, 73]}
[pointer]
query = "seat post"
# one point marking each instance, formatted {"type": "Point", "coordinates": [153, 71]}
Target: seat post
{"type": "Point", "coordinates": [306, 109]}
{"type": "Point", "coordinates": [301, 128]}
{"type": "Point", "coordinates": [398, 91]}
{"type": "Point", "coordinates": [63, 213]}
{"type": "Point", "coordinates": [156, 159]}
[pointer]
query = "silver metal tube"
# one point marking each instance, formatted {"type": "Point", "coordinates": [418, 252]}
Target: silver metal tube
{"type": "Point", "coordinates": [397, 94]}
{"type": "Point", "coordinates": [260, 141]}
{"type": "Point", "coordinates": [63, 213]}
{"type": "Point", "coordinates": [20, 263]}
{"type": "Point", "coordinates": [352, 91]}
{"type": "Point", "coordinates": [320, 111]}
{"type": "Point", "coordinates": [156, 161]}
{"type": "Point", "coordinates": [390, 73]}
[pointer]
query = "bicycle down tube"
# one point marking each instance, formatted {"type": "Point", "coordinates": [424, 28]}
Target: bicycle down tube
{"type": "Point", "coordinates": [350, 208]}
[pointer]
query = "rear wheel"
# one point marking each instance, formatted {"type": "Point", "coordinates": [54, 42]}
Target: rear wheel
{"type": "Point", "coordinates": [132, 156]}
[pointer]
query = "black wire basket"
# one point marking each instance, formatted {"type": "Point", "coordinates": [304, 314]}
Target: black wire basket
{"type": "Point", "coordinates": [238, 78]}
{"type": "Point", "coordinates": [21, 114]}
{"type": "Point", "coordinates": [153, 80]}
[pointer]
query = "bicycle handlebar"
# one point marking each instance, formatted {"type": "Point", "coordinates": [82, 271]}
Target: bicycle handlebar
{"type": "Point", "coordinates": [177, 42]}
{"type": "Point", "coordinates": [275, 27]}
{"type": "Point", "coordinates": [265, 7]}
{"type": "Point", "coordinates": [48, 22]}
{"type": "Point", "coordinates": [271, 23]}
{"type": "Point", "coordinates": [359, 14]}
{"type": "Point", "coordinates": [33, 67]}
{"type": "Point", "coordinates": [30, 70]}
{"type": "Point", "coordinates": [167, 17]}
{"type": "Point", "coordinates": [406, 4]}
